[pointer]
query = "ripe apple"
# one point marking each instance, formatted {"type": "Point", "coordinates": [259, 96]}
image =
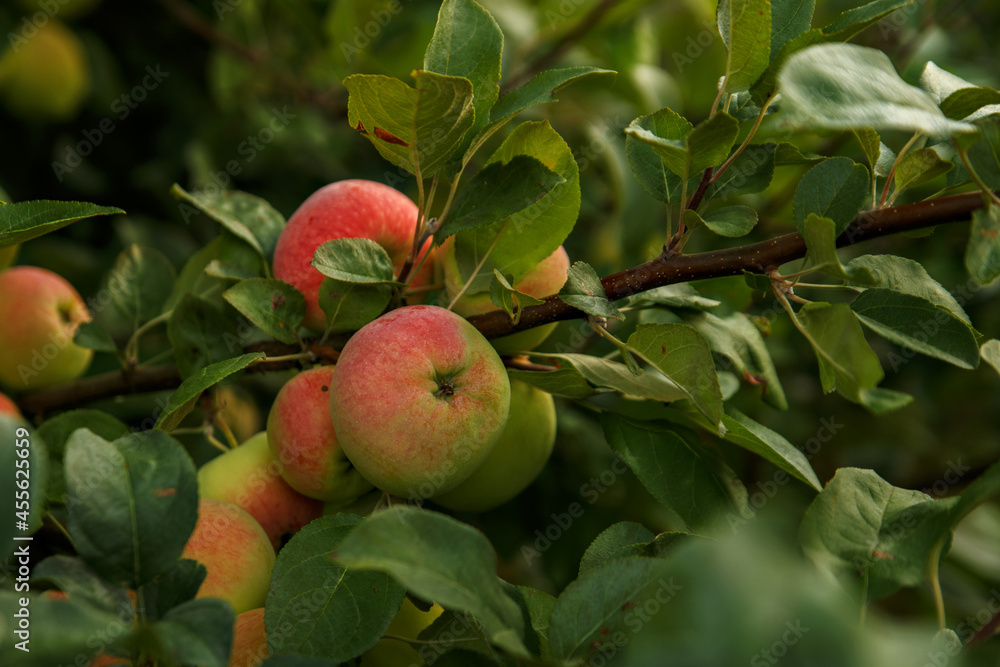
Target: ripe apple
{"type": "Point", "coordinates": [249, 477]}
{"type": "Point", "coordinates": [249, 640]}
{"type": "Point", "coordinates": [418, 400]}
{"type": "Point", "coordinates": [544, 279]}
{"type": "Point", "coordinates": [236, 552]}
{"type": "Point", "coordinates": [409, 622]}
{"type": "Point", "coordinates": [40, 312]}
{"type": "Point", "coordinates": [516, 459]}
{"type": "Point", "coordinates": [302, 439]}
{"type": "Point", "coordinates": [345, 209]}
{"type": "Point", "coordinates": [45, 77]}
{"type": "Point", "coordinates": [8, 406]}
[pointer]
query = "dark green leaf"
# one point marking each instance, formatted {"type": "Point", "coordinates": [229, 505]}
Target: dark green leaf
{"type": "Point", "coordinates": [329, 611]}
{"type": "Point", "coordinates": [438, 558]}
{"type": "Point", "coordinates": [608, 375]}
{"type": "Point", "coordinates": [731, 221]}
{"type": "Point", "coordinates": [990, 352]}
{"type": "Point", "coordinates": [18, 438]}
{"type": "Point", "coordinates": [56, 431]}
{"type": "Point", "coordinates": [786, 154]}
{"type": "Point", "coordinates": [745, 26]}
{"type": "Point", "coordinates": [274, 306]}
{"type": "Point", "coordinates": [650, 167]}
{"type": "Point", "coordinates": [540, 606]}
{"type": "Point", "coordinates": [906, 276]}
{"type": "Point", "coordinates": [175, 586]}
{"type": "Point", "coordinates": [918, 167]}
{"type": "Point", "coordinates": [198, 632]}
{"type": "Point", "coordinates": [958, 98]}
{"type": "Point", "coordinates": [583, 290]}
{"type": "Point", "coordinates": [350, 306]}
{"type": "Point", "coordinates": [836, 189]}
{"type": "Point", "coordinates": [201, 335]}
{"type": "Point", "coordinates": [247, 216]}
{"type": "Point", "coordinates": [749, 173]}
{"type": "Point", "coordinates": [619, 540]}
{"type": "Point", "coordinates": [354, 260]}
{"type": "Point", "coordinates": [789, 18]}
{"type": "Point", "coordinates": [504, 296]}
{"type": "Point", "coordinates": [73, 577]}
{"type": "Point", "coordinates": [182, 400]}
{"type": "Point", "coordinates": [982, 254]}
{"type": "Point", "coordinates": [770, 445]}
{"type": "Point", "coordinates": [139, 283]}
{"type": "Point", "coordinates": [681, 295]}
{"type": "Point", "coordinates": [567, 381]}
{"type": "Point", "coordinates": [685, 477]}
{"type": "Point", "coordinates": [984, 154]}
{"type": "Point", "coordinates": [132, 503]}
{"type": "Point", "coordinates": [498, 191]}
{"type": "Point", "coordinates": [918, 324]}
{"type": "Point", "coordinates": [95, 337]}
{"type": "Point", "coordinates": [27, 220]}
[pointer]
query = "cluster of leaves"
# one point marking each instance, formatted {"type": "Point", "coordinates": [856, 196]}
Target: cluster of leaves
{"type": "Point", "coordinates": [128, 500]}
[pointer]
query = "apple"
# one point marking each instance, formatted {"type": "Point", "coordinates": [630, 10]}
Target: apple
{"type": "Point", "coordinates": [301, 436]}
{"type": "Point", "coordinates": [345, 209]}
{"type": "Point", "coordinates": [546, 278]}
{"type": "Point", "coordinates": [249, 640]}
{"type": "Point", "coordinates": [249, 477]}
{"type": "Point", "coordinates": [408, 622]}
{"type": "Point", "coordinates": [45, 77]}
{"type": "Point", "coordinates": [516, 459]}
{"type": "Point", "coordinates": [40, 312]}
{"type": "Point", "coordinates": [8, 407]}
{"type": "Point", "coordinates": [418, 400]}
{"type": "Point", "coordinates": [236, 552]}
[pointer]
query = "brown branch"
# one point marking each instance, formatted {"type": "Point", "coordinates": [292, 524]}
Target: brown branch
{"type": "Point", "coordinates": [667, 269]}
{"type": "Point", "coordinates": [670, 268]}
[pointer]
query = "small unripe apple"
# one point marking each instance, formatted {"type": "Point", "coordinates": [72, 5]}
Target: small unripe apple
{"type": "Point", "coordinates": [302, 439]}
{"type": "Point", "coordinates": [345, 209]}
{"type": "Point", "coordinates": [249, 477]}
{"type": "Point", "coordinates": [408, 622]}
{"type": "Point", "coordinates": [517, 458]}
{"type": "Point", "coordinates": [40, 313]}
{"type": "Point", "coordinates": [546, 278]}
{"type": "Point", "coordinates": [249, 640]}
{"type": "Point", "coordinates": [46, 76]}
{"type": "Point", "coordinates": [418, 400]}
{"type": "Point", "coordinates": [236, 552]}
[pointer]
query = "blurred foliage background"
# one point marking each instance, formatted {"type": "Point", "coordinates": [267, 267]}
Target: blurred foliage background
{"type": "Point", "coordinates": [113, 101]}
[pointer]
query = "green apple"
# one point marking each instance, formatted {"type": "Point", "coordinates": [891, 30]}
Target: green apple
{"type": "Point", "coordinates": [302, 439]}
{"type": "Point", "coordinates": [250, 477]}
{"type": "Point", "coordinates": [45, 76]}
{"type": "Point", "coordinates": [516, 459]}
{"type": "Point", "coordinates": [249, 640]}
{"type": "Point", "coordinates": [544, 279]}
{"type": "Point", "coordinates": [236, 552]}
{"type": "Point", "coordinates": [40, 312]}
{"type": "Point", "coordinates": [418, 400]}
{"type": "Point", "coordinates": [346, 209]}
{"type": "Point", "coordinates": [408, 622]}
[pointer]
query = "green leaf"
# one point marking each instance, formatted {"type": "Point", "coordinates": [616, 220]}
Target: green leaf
{"type": "Point", "coordinates": [982, 254]}
{"type": "Point", "coordinates": [350, 306]}
{"type": "Point", "coordinates": [197, 632]}
{"type": "Point", "coordinates": [749, 173]}
{"type": "Point", "coordinates": [650, 166]}
{"type": "Point", "coordinates": [468, 43]}
{"type": "Point", "coordinates": [789, 19]}
{"type": "Point", "coordinates": [770, 445]}
{"type": "Point", "coordinates": [984, 154]}
{"type": "Point", "coordinates": [174, 587]}
{"type": "Point", "coordinates": [740, 342]}
{"type": "Point", "coordinates": [498, 191]}
{"type": "Point", "coordinates": [418, 129]}
{"type": "Point", "coordinates": [918, 167]}
{"type": "Point", "coordinates": [182, 400]}
{"type": "Point", "coordinates": [56, 431]}
{"type": "Point", "coordinates": [132, 503]}
{"type": "Point", "coordinates": [919, 325]}
{"type": "Point", "coordinates": [745, 26]}
{"type": "Point", "coordinates": [690, 480]}
{"type": "Point", "coordinates": [354, 260]}
{"type": "Point", "coordinates": [534, 233]}
{"type": "Point", "coordinates": [731, 221]}
{"type": "Point", "coordinates": [200, 335]}
{"type": "Point", "coordinates": [567, 382]}
{"type": "Point", "coordinates": [786, 154]}
{"type": "Point", "coordinates": [72, 576]}
{"type": "Point", "coordinates": [619, 540]}
{"type": "Point", "coordinates": [684, 357]}
{"type": "Point", "coordinates": [540, 606]}
{"type": "Point", "coordinates": [599, 606]}
{"type": "Point", "coordinates": [604, 374]}
{"type": "Point", "coordinates": [836, 189]}
{"type": "Point", "coordinates": [274, 306]}
{"type": "Point", "coordinates": [27, 220]}
{"type": "Point", "coordinates": [236, 260]}
{"type": "Point", "coordinates": [845, 86]}
{"type": "Point", "coordinates": [349, 609]}
{"type": "Point", "coordinates": [846, 362]}
{"type": "Point", "coordinates": [248, 217]}
{"type": "Point", "coordinates": [441, 559]}
{"type": "Point", "coordinates": [820, 235]}
{"type": "Point", "coordinates": [18, 439]}
{"type": "Point", "coordinates": [958, 98]}
{"type": "Point", "coordinates": [504, 296]}
{"type": "Point", "coordinates": [139, 283]}
{"type": "Point", "coordinates": [990, 352]}
{"type": "Point", "coordinates": [95, 337]}
{"type": "Point", "coordinates": [680, 295]}
{"type": "Point", "coordinates": [904, 275]}
{"type": "Point", "coordinates": [707, 145]}
{"type": "Point", "coordinates": [583, 290]}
